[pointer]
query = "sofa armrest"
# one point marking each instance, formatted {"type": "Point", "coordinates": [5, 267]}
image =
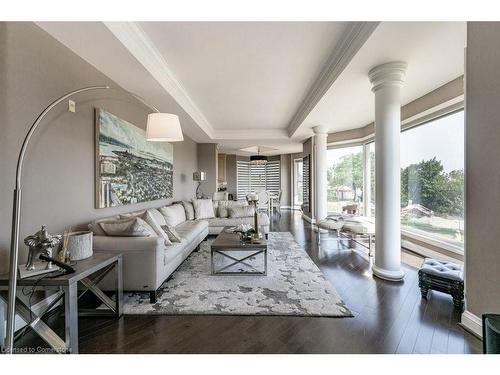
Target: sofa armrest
{"type": "Point", "coordinates": [126, 244]}
{"type": "Point", "coordinates": [143, 260]}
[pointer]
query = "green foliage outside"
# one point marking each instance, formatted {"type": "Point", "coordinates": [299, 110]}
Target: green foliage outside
{"type": "Point", "coordinates": [424, 183]}
{"type": "Point", "coordinates": [427, 183]}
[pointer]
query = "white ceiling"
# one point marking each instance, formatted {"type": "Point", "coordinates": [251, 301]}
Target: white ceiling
{"type": "Point", "coordinates": [249, 75]}
{"type": "Point", "coordinates": [434, 52]}
{"type": "Point", "coordinates": [240, 84]}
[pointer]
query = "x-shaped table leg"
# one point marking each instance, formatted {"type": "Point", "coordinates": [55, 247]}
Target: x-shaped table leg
{"type": "Point", "coordinates": [238, 260]}
{"type": "Point", "coordinates": [42, 329]}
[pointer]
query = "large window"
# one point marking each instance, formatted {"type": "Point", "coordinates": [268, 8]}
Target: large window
{"type": "Point", "coordinates": [345, 179]}
{"type": "Point", "coordinates": [432, 179]}
{"type": "Point", "coordinates": [253, 178]}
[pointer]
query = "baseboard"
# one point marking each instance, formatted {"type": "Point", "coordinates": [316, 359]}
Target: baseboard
{"type": "Point", "coordinates": [308, 219]}
{"type": "Point", "coordinates": [472, 323]}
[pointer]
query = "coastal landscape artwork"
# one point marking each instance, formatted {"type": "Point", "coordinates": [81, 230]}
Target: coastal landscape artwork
{"type": "Point", "coordinates": [129, 169]}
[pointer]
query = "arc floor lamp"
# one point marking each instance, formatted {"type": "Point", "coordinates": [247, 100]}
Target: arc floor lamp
{"type": "Point", "coordinates": [162, 127]}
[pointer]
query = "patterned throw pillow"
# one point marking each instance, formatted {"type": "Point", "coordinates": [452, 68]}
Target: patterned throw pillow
{"type": "Point", "coordinates": [223, 211]}
{"type": "Point", "coordinates": [172, 234]}
{"type": "Point", "coordinates": [242, 211]}
{"type": "Point", "coordinates": [134, 227]}
{"type": "Point", "coordinates": [203, 208]}
{"type": "Point", "coordinates": [188, 207]}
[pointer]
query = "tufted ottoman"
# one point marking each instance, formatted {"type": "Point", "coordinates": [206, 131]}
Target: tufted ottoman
{"type": "Point", "coordinates": [443, 276]}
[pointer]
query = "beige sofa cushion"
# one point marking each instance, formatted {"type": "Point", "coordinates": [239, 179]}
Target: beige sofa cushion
{"type": "Point", "coordinates": [203, 208]}
{"type": "Point", "coordinates": [133, 227]}
{"type": "Point", "coordinates": [241, 211]}
{"type": "Point", "coordinates": [172, 234]}
{"type": "Point", "coordinates": [96, 228]}
{"type": "Point", "coordinates": [223, 206]}
{"type": "Point", "coordinates": [154, 218]}
{"type": "Point", "coordinates": [190, 229]}
{"type": "Point", "coordinates": [189, 209]}
{"type": "Point", "coordinates": [230, 222]}
{"type": "Point", "coordinates": [174, 214]}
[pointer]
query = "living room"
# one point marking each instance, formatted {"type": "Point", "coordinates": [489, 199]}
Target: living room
{"type": "Point", "coordinates": [310, 186]}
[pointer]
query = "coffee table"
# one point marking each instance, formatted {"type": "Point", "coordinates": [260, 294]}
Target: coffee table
{"type": "Point", "coordinates": [229, 246]}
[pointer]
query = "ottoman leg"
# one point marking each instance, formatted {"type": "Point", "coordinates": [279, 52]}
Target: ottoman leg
{"type": "Point", "coordinates": [424, 292]}
{"type": "Point", "coordinates": [458, 295]}
{"type": "Point", "coordinates": [424, 285]}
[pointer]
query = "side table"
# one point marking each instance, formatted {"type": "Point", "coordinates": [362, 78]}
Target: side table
{"type": "Point", "coordinates": [88, 273]}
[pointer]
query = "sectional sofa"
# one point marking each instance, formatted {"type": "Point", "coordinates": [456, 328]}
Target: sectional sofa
{"type": "Point", "coordinates": [149, 255]}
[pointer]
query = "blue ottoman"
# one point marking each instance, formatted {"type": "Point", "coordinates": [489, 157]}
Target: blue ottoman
{"type": "Point", "coordinates": [446, 277]}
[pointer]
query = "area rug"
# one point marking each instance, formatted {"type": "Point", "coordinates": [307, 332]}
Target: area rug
{"type": "Point", "coordinates": [293, 286]}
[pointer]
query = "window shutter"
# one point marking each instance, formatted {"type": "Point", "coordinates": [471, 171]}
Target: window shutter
{"type": "Point", "coordinates": [273, 178]}
{"type": "Point", "coordinates": [242, 179]}
{"type": "Point", "coordinates": [254, 178]}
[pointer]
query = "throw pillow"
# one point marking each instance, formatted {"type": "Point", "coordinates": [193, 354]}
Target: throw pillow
{"type": "Point", "coordinates": [156, 220]}
{"type": "Point", "coordinates": [224, 205]}
{"type": "Point", "coordinates": [242, 211]}
{"type": "Point", "coordinates": [132, 214]}
{"type": "Point", "coordinates": [171, 233]}
{"type": "Point", "coordinates": [174, 214]}
{"type": "Point", "coordinates": [95, 228]}
{"type": "Point", "coordinates": [188, 207]}
{"type": "Point", "coordinates": [135, 227]}
{"type": "Point", "coordinates": [203, 208]}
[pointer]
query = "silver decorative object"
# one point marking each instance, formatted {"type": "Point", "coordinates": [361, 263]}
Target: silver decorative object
{"type": "Point", "coordinates": [40, 243]}
{"type": "Point", "coordinates": [80, 245]}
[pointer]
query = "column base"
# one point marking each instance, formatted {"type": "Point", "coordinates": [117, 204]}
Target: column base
{"type": "Point", "coordinates": [388, 275]}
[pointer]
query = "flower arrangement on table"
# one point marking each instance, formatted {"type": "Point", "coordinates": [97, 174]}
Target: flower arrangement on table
{"type": "Point", "coordinates": [245, 231]}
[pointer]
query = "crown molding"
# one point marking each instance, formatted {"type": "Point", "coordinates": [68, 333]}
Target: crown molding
{"type": "Point", "coordinates": [353, 39]}
{"type": "Point", "coordinates": [221, 134]}
{"type": "Point", "coordinates": [131, 35]}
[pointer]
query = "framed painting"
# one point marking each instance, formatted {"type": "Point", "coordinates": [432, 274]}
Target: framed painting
{"type": "Point", "coordinates": [128, 168]}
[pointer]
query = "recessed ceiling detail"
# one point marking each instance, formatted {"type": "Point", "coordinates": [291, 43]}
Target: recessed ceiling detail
{"type": "Point", "coordinates": [258, 149]}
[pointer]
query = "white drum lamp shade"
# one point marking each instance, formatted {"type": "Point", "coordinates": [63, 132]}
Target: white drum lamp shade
{"type": "Point", "coordinates": [163, 127]}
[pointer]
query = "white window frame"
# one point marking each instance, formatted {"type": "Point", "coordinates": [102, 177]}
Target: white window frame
{"type": "Point", "coordinates": [445, 109]}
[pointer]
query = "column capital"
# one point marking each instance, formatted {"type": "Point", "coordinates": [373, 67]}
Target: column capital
{"type": "Point", "coordinates": [320, 130]}
{"type": "Point", "coordinates": [389, 74]}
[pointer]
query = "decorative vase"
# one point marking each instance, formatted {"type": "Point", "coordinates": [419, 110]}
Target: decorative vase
{"type": "Point", "coordinates": [80, 245]}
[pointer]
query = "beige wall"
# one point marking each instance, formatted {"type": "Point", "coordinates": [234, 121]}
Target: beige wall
{"type": "Point", "coordinates": [58, 176]}
{"type": "Point", "coordinates": [482, 116]}
{"type": "Point", "coordinates": [207, 162]}
{"type": "Point", "coordinates": [231, 174]}
{"type": "Point", "coordinates": [286, 175]}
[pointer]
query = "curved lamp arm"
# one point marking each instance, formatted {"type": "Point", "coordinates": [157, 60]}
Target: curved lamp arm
{"type": "Point", "coordinates": [16, 214]}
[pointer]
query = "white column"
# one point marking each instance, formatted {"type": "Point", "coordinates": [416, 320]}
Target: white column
{"type": "Point", "coordinates": [387, 80]}
{"type": "Point", "coordinates": [366, 180]}
{"type": "Point", "coordinates": [320, 183]}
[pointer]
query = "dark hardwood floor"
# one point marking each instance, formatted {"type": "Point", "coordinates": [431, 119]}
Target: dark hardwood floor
{"type": "Point", "coordinates": [389, 317]}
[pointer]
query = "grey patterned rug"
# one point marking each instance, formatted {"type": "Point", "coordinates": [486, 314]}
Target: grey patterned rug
{"type": "Point", "coordinates": [293, 286]}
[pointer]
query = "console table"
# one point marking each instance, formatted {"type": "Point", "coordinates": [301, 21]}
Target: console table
{"type": "Point", "coordinates": [88, 273]}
